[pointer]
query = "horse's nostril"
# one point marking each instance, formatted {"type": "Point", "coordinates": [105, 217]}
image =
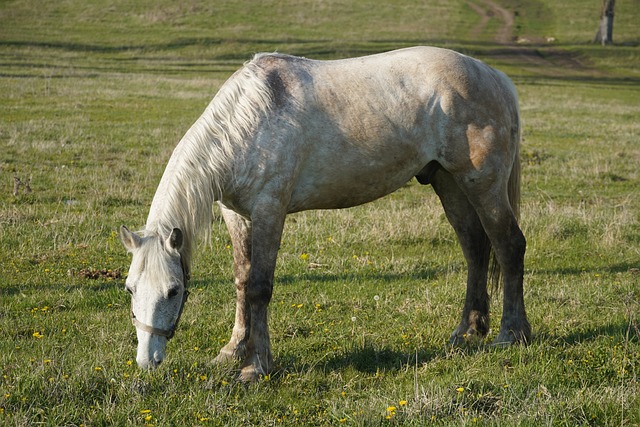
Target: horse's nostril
{"type": "Point", "coordinates": [157, 359]}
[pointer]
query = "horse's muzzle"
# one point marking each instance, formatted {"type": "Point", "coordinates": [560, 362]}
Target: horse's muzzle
{"type": "Point", "coordinates": [149, 364]}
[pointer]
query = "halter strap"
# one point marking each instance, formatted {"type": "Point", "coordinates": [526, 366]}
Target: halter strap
{"type": "Point", "coordinates": [167, 333]}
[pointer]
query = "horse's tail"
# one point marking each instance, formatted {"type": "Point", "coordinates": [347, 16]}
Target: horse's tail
{"type": "Point", "coordinates": [513, 191]}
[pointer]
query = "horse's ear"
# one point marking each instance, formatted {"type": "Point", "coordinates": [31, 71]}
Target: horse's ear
{"type": "Point", "coordinates": [130, 240]}
{"type": "Point", "coordinates": [175, 240]}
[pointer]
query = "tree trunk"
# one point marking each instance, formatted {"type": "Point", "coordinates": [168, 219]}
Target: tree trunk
{"type": "Point", "coordinates": [604, 34]}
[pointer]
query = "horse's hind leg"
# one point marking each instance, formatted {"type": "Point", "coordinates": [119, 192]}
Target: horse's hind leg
{"type": "Point", "coordinates": [475, 247]}
{"type": "Point", "coordinates": [240, 232]}
{"type": "Point", "coordinates": [489, 197]}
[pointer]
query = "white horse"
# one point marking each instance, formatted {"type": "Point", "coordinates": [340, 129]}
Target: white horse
{"type": "Point", "coordinates": [286, 134]}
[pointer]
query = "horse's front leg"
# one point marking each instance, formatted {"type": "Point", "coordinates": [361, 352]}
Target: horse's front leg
{"type": "Point", "coordinates": [240, 232]}
{"type": "Point", "coordinates": [268, 223]}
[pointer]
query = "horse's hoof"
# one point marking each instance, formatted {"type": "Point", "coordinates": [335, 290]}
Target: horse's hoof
{"type": "Point", "coordinates": [231, 354]}
{"type": "Point", "coordinates": [251, 374]}
{"type": "Point", "coordinates": [456, 340]}
{"type": "Point", "coordinates": [472, 336]}
{"type": "Point", "coordinates": [225, 358]}
{"type": "Point", "coordinates": [510, 337]}
{"type": "Point", "coordinates": [255, 367]}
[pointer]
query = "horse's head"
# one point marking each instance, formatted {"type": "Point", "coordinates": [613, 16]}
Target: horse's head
{"type": "Point", "coordinates": [157, 282]}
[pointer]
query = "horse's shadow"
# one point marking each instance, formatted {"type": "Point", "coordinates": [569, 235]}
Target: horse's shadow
{"type": "Point", "coordinates": [370, 360]}
{"type": "Point", "coordinates": [622, 331]}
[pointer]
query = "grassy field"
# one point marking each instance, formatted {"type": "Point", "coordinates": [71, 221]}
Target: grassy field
{"type": "Point", "coordinates": [94, 97]}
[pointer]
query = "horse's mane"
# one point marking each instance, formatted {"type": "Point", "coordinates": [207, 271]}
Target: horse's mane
{"type": "Point", "coordinates": [200, 165]}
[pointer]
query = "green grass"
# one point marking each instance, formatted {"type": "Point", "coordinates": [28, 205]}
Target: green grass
{"type": "Point", "coordinates": [93, 99]}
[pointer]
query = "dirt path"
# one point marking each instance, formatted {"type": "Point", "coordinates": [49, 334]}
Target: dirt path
{"type": "Point", "coordinates": [486, 10]}
{"type": "Point", "coordinates": [546, 60]}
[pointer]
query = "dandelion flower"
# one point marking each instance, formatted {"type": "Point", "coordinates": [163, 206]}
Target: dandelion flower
{"type": "Point", "coordinates": [460, 389]}
{"type": "Point", "coordinates": [402, 403]}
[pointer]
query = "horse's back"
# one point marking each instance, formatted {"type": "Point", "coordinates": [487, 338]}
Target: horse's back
{"type": "Point", "coordinates": [357, 129]}
{"type": "Point", "coordinates": [431, 68]}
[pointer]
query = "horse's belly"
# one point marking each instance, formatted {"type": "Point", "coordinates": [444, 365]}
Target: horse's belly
{"type": "Point", "coordinates": [344, 183]}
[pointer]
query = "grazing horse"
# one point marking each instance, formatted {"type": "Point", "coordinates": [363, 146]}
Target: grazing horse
{"type": "Point", "coordinates": [286, 134]}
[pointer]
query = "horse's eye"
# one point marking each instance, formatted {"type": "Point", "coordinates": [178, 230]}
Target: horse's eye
{"type": "Point", "coordinates": [128, 289]}
{"type": "Point", "coordinates": [173, 292]}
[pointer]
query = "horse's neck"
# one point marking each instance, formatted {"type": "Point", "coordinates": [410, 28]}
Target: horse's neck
{"type": "Point", "coordinates": [188, 188]}
{"type": "Point", "coordinates": [201, 164]}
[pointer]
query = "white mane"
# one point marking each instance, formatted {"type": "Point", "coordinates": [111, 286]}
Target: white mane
{"type": "Point", "coordinates": [200, 165]}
